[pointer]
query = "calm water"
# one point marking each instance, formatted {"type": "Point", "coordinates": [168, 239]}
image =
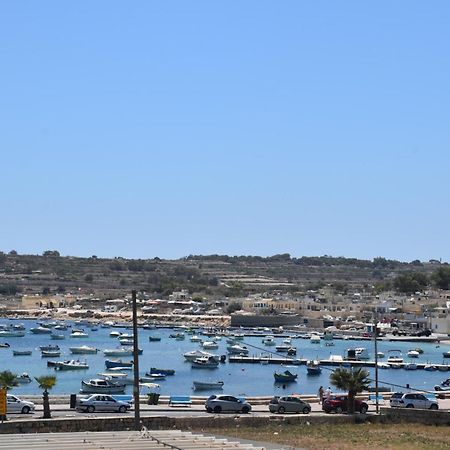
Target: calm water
{"type": "Point", "coordinates": [239, 379]}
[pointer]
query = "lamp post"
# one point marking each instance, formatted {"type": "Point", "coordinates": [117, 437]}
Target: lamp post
{"type": "Point", "coordinates": [137, 419]}
{"type": "Point", "coordinates": [375, 333]}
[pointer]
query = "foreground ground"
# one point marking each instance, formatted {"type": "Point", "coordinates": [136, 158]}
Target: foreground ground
{"type": "Point", "coordinates": [346, 436]}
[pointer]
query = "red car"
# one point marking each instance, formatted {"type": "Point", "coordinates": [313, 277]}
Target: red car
{"type": "Point", "coordinates": [339, 404]}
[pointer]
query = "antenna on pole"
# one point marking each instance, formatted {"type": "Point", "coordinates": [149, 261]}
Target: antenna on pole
{"type": "Point", "coordinates": [137, 418]}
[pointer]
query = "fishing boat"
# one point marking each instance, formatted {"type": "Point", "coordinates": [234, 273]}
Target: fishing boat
{"type": "Point", "coordinates": [413, 354]}
{"type": "Point", "coordinates": [115, 334]}
{"type": "Point", "coordinates": [114, 363]}
{"type": "Point", "coordinates": [444, 386]}
{"type": "Point", "coordinates": [313, 368]}
{"type": "Point", "coordinates": [4, 345]}
{"type": "Point", "coordinates": [41, 330]}
{"type": "Point", "coordinates": [446, 354]}
{"type": "Point", "coordinates": [72, 365]}
{"type": "Point", "coordinates": [78, 334]}
{"type": "Point", "coordinates": [102, 386]}
{"type": "Point", "coordinates": [61, 327]}
{"type": "Point", "coordinates": [49, 348]}
{"type": "Point", "coordinates": [315, 339]}
{"type": "Point", "coordinates": [57, 337]}
{"type": "Point", "coordinates": [194, 354]}
{"type": "Point", "coordinates": [163, 371]}
{"type": "Point", "coordinates": [237, 349]}
{"type": "Point", "coordinates": [430, 367]}
{"type": "Point", "coordinates": [50, 353]}
{"type": "Point", "coordinates": [126, 341]}
{"type": "Point", "coordinates": [210, 345]}
{"type": "Point", "coordinates": [24, 378]}
{"type": "Point", "coordinates": [83, 350]}
{"type": "Point", "coordinates": [285, 377]}
{"type": "Point", "coordinates": [117, 376]}
{"type": "Point", "coordinates": [206, 386]}
{"type": "Point", "coordinates": [177, 336]}
{"type": "Point", "coordinates": [120, 352]}
{"type": "Point", "coordinates": [154, 338]}
{"type": "Point", "coordinates": [205, 362]}
{"type": "Point", "coordinates": [22, 352]}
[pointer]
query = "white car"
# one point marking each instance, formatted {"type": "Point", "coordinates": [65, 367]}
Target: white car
{"type": "Point", "coordinates": [100, 402]}
{"type": "Point", "coordinates": [16, 405]}
{"type": "Point", "coordinates": [417, 400]}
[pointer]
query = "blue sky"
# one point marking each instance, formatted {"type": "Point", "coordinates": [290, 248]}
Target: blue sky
{"type": "Point", "coordinates": [170, 128]}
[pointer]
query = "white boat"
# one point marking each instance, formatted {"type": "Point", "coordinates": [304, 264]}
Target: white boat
{"type": "Point", "coordinates": [115, 334]}
{"type": "Point", "coordinates": [194, 354]}
{"type": "Point", "coordinates": [126, 342]}
{"type": "Point", "coordinates": [357, 354]}
{"type": "Point", "coordinates": [237, 349]}
{"type": "Point", "coordinates": [12, 333]}
{"type": "Point", "coordinates": [50, 353]}
{"type": "Point", "coordinates": [204, 362]}
{"type": "Point", "coordinates": [380, 355]}
{"type": "Point", "coordinates": [117, 376]}
{"type": "Point", "coordinates": [206, 386]}
{"type": "Point", "coordinates": [315, 339]}
{"type": "Point", "coordinates": [120, 352]}
{"type": "Point", "coordinates": [287, 341]}
{"type": "Point", "coordinates": [83, 350]}
{"type": "Point", "coordinates": [24, 378]}
{"type": "Point", "coordinates": [49, 348]}
{"type": "Point", "coordinates": [413, 354]}
{"type": "Point", "coordinates": [195, 338]}
{"type": "Point", "coordinates": [269, 341]}
{"type": "Point", "coordinates": [395, 357]}
{"type": "Point", "coordinates": [57, 337]}
{"type": "Point", "coordinates": [78, 334]}
{"type": "Point", "coordinates": [410, 366]}
{"type": "Point", "coordinates": [211, 345]}
{"type": "Point", "coordinates": [283, 348]}
{"type": "Point", "coordinates": [41, 330]}
{"type": "Point", "coordinates": [102, 386]}
{"type": "Point", "coordinates": [71, 365]}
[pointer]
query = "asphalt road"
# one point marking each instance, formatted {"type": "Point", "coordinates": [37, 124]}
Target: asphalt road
{"type": "Point", "coordinates": [63, 411]}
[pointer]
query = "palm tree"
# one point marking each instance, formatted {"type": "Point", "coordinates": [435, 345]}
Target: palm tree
{"type": "Point", "coordinates": [46, 382]}
{"type": "Point", "coordinates": [7, 381]}
{"type": "Point", "coordinates": [353, 381]}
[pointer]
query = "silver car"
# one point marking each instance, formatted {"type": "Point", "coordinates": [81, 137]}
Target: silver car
{"type": "Point", "coordinates": [100, 402]}
{"type": "Point", "coordinates": [289, 404]}
{"type": "Point", "coordinates": [227, 403]}
{"type": "Point", "coordinates": [417, 400]}
{"type": "Point", "coordinates": [16, 405]}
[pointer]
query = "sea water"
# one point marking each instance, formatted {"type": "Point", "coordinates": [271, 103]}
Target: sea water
{"type": "Point", "coordinates": [239, 379]}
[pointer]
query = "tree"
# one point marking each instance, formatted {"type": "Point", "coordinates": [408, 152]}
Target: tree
{"type": "Point", "coordinates": [353, 381]}
{"type": "Point", "coordinates": [46, 382]}
{"type": "Point", "coordinates": [89, 278]}
{"type": "Point", "coordinates": [411, 282]}
{"type": "Point", "coordinates": [441, 277]}
{"type": "Point", "coordinates": [7, 381]}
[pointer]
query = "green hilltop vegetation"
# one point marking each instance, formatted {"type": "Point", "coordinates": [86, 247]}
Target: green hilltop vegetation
{"type": "Point", "coordinates": [217, 275]}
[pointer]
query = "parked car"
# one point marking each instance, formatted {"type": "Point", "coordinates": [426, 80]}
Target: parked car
{"type": "Point", "coordinates": [226, 403]}
{"type": "Point", "coordinates": [283, 405]}
{"type": "Point", "coordinates": [105, 403]}
{"type": "Point", "coordinates": [395, 398]}
{"type": "Point", "coordinates": [16, 405]}
{"type": "Point", "coordinates": [417, 400]}
{"type": "Point", "coordinates": [339, 404]}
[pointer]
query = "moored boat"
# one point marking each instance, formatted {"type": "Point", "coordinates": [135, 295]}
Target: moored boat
{"type": "Point", "coordinates": [154, 338]}
{"type": "Point", "coordinates": [12, 333]}
{"type": "Point", "coordinates": [207, 385]}
{"type": "Point", "coordinates": [49, 348]}
{"type": "Point", "coordinates": [237, 349]}
{"type": "Point", "coordinates": [83, 350]}
{"type": "Point", "coordinates": [22, 352]}
{"type": "Point", "coordinates": [78, 334]}
{"type": "Point", "coordinates": [120, 352]}
{"type": "Point", "coordinates": [24, 378]}
{"type": "Point", "coordinates": [194, 354]}
{"type": "Point", "coordinates": [285, 377]}
{"type": "Point", "coordinates": [413, 354]}
{"type": "Point", "coordinates": [211, 345]}
{"type": "Point", "coordinates": [102, 386]}
{"type": "Point", "coordinates": [114, 363]}
{"type": "Point", "coordinates": [72, 365]}
{"type": "Point", "coordinates": [313, 368]}
{"type": "Point", "coordinates": [40, 330]}
{"type": "Point", "coordinates": [163, 371]}
{"type": "Point", "coordinates": [205, 362]}
{"type": "Point", "coordinates": [50, 353]}
{"type": "Point", "coordinates": [57, 337]}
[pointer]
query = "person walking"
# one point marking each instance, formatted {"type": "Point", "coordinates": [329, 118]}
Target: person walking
{"type": "Point", "coordinates": [321, 394]}
{"type": "Point", "coordinates": [328, 393]}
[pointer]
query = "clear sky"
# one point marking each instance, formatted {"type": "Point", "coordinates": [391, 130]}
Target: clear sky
{"type": "Point", "coordinates": [168, 128]}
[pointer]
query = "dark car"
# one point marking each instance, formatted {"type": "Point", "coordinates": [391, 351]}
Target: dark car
{"type": "Point", "coordinates": [339, 404]}
{"type": "Point", "coordinates": [289, 404]}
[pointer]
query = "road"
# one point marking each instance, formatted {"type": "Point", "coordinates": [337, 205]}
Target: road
{"type": "Point", "coordinates": [63, 411]}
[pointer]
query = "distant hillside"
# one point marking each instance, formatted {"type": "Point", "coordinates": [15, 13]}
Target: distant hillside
{"type": "Point", "coordinates": [212, 274]}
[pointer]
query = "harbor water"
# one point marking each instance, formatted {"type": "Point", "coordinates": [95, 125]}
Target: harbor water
{"type": "Point", "coordinates": [239, 379]}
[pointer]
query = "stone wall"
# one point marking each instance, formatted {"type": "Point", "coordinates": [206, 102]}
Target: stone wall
{"type": "Point", "coordinates": [423, 416]}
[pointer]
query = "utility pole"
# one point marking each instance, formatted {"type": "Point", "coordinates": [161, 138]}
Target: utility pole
{"type": "Point", "coordinates": [137, 418]}
{"type": "Point", "coordinates": [375, 333]}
